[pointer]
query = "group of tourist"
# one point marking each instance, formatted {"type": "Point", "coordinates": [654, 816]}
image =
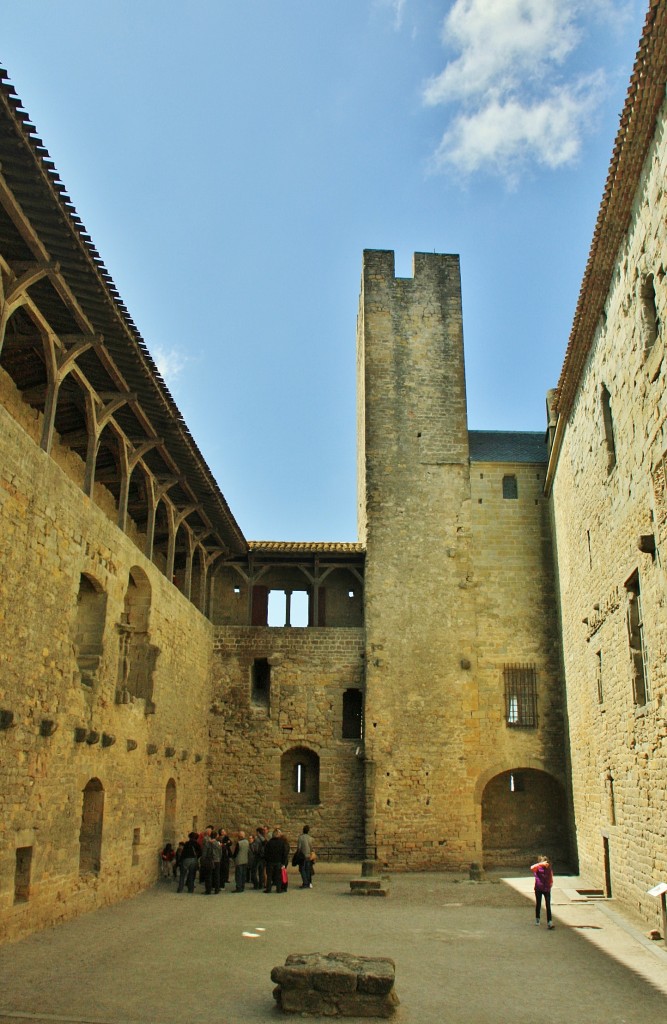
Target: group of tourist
{"type": "Point", "coordinates": [259, 859]}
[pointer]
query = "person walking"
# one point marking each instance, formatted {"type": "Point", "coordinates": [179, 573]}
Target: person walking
{"type": "Point", "coordinates": [304, 858]}
{"type": "Point", "coordinates": [241, 856]}
{"type": "Point", "coordinates": [544, 880]}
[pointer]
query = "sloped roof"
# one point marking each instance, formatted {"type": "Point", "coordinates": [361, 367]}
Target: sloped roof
{"type": "Point", "coordinates": [31, 177]}
{"type": "Point", "coordinates": [306, 547]}
{"type": "Point", "coordinates": [645, 96]}
{"type": "Point", "coordinates": [507, 446]}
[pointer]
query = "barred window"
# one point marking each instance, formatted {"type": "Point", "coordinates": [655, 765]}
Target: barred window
{"type": "Point", "coordinates": [520, 696]}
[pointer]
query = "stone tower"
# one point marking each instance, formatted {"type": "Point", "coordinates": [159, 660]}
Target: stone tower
{"type": "Point", "coordinates": [421, 700]}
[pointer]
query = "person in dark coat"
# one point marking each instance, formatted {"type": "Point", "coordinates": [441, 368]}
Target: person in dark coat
{"type": "Point", "coordinates": [189, 861]}
{"type": "Point", "coordinates": [276, 857]}
{"type": "Point", "coordinates": [226, 845]}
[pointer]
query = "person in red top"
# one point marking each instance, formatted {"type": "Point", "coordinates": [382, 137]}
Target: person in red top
{"type": "Point", "coordinates": [544, 879]}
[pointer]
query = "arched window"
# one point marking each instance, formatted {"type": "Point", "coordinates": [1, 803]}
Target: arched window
{"type": "Point", "coordinates": [300, 776]}
{"type": "Point", "coordinates": [136, 656]}
{"type": "Point", "coordinates": [90, 836]}
{"type": "Point", "coordinates": [91, 607]}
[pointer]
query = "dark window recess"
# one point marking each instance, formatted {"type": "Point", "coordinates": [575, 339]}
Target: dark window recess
{"type": "Point", "coordinates": [22, 874]}
{"type": "Point", "coordinates": [90, 617]}
{"type": "Point", "coordinates": [517, 783]}
{"type": "Point", "coordinates": [90, 836]}
{"type": "Point", "coordinates": [510, 487]}
{"type": "Point", "coordinates": [261, 682]}
{"type": "Point", "coordinates": [352, 715]}
{"type": "Point", "coordinates": [299, 777]}
{"type": "Point", "coordinates": [598, 673]}
{"type": "Point", "coordinates": [638, 658]}
{"type": "Point", "coordinates": [520, 696]}
{"type": "Point", "coordinates": [608, 427]}
{"type": "Point", "coordinates": [136, 843]}
{"type": "Point", "coordinates": [648, 313]}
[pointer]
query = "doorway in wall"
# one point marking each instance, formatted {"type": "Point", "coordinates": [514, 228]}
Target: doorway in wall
{"type": "Point", "coordinates": [607, 867]}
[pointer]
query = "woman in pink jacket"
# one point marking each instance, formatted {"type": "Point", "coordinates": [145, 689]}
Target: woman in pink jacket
{"type": "Point", "coordinates": [544, 879]}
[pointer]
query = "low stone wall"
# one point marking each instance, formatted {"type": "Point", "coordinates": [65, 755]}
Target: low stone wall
{"type": "Point", "coordinates": [336, 985]}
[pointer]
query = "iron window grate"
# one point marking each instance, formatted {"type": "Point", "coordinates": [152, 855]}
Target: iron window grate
{"type": "Point", "coordinates": [520, 696]}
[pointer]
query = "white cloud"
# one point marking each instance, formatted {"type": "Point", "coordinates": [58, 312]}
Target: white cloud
{"type": "Point", "coordinates": [170, 363]}
{"type": "Point", "coordinates": [507, 77]}
{"type": "Point", "coordinates": [397, 7]}
{"type": "Point", "coordinates": [505, 134]}
{"type": "Point", "coordinates": [501, 41]}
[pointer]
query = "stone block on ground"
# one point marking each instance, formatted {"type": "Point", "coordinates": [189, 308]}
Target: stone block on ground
{"type": "Point", "coordinates": [336, 985]}
{"type": "Point", "coordinates": [369, 886]}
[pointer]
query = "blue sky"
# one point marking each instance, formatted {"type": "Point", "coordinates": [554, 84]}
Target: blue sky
{"type": "Point", "coordinates": [231, 161]}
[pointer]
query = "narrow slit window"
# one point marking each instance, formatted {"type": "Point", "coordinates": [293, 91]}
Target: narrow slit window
{"type": "Point", "coordinates": [352, 714]}
{"type": "Point", "coordinates": [516, 782]}
{"type": "Point", "coordinates": [261, 682]}
{"type": "Point", "coordinates": [638, 654]}
{"type": "Point", "coordinates": [136, 843]}
{"type": "Point", "coordinates": [608, 427]}
{"type": "Point", "coordinates": [649, 313]}
{"type": "Point", "coordinates": [22, 874]}
{"type": "Point", "coordinates": [598, 674]}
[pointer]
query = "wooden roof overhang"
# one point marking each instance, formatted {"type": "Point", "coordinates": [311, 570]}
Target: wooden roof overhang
{"type": "Point", "coordinates": [646, 94]}
{"type": "Point", "coordinates": [315, 560]}
{"type": "Point", "coordinates": [62, 319]}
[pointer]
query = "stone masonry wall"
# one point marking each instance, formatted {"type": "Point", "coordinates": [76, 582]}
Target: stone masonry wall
{"type": "Point", "coordinates": [310, 670]}
{"type": "Point", "coordinates": [517, 624]}
{"type": "Point", "coordinates": [419, 606]}
{"type": "Point", "coordinates": [601, 508]}
{"type": "Point", "coordinates": [51, 534]}
{"type": "Point", "coordinates": [458, 584]}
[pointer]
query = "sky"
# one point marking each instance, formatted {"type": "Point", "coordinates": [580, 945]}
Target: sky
{"type": "Point", "coordinates": [232, 159]}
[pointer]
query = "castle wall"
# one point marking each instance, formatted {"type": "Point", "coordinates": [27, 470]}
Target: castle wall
{"type": "Point", "coordinates": [256, 739]}
{"type": "Point", "coordinates": [61, 728]}
{"type": "Point", "coordinates": [608, 492]}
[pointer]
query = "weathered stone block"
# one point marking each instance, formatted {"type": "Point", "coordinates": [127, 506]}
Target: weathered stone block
{"type": "Point", "coordinates": [338, 984]}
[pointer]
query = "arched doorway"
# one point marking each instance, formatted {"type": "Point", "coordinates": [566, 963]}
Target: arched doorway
{"type": "Point", "coordinates": [523, 814]}
{"type": "Point", "coordinates": [169, 825]}
{"type": "Point", "coordinates": [90, 836]}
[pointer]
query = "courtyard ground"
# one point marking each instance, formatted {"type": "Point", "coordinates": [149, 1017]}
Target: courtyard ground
{"type": "Point", "coordinates": [466, 953]}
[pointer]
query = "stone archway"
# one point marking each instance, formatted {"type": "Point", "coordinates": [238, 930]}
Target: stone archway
{"type": "Point", "coordinates": [523, 814]}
